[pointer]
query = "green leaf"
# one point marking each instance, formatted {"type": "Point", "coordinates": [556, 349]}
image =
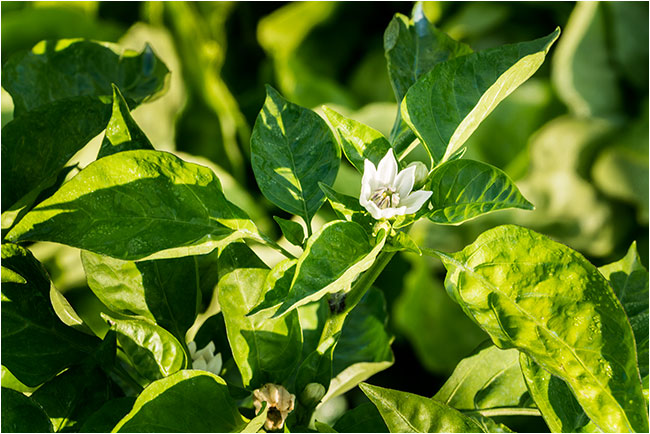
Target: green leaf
{"type": "Point", "coordinates": [276, 285]}
{"type": "Point", "coordinates": [358, 141]}
{"type": "Point", "coordinates": [292, 231]}
{"type": "Point", "coordinates": [406, 412]}
{"type": "Point", "coordinates": [448, 103]}
{"type": "Point", "coordinates": [188, 401]}
{"type": "Point", "coordinates": [9, 381]}
{"type": "Point", "coordinates": [121, 204]}
{"type": "Point", "coordinates": [583, 72]}
{"type": "Point", "coordinates": [36, 145]}
{"type": "Point", "coordinates": [364, 418]}
{"type": "Point", "coordinates": [292, 149]}
{"type": "Point", "coordinates": [152, 350]}
{"type": "Point", "coordinates": [36, 345]}
{"type": "Point", "coordinates": [104, 419]}
{"type": "Point", "coordinates": [71, 397]}
{"type": "Point", "coordinates": [489, 378]}
{"type": "Point", "coordinates": [549, 302]}
{"type": "Point", "coordinates": [465, 189]}
{"type": "Point", "coordinates": [21, 414]}
{"type": "Point", "coordinates": [323, 427]}
{"type": "Point", "coordinates": [266, 350]}
{"type": "Point", "coordinates": [413, 47]}
{"type": "Point", "coordinates": [552, 396]}
{"type": "Point", "coordinates": [629, 279]}
{"type": "Point", "coordinates": [57, 70]}
{"type": "Point", "coordinates": [363, 349]}
{"type": "Point", "coordinates": [314, 375]}
{"type": "Point", "coordinates": [166, 291]}
{"type": "Point", "coordinates": [402, 242]}
{"type": "Point", "coordinates": [122, 132]}
{"type": "Point", "coordinates": [256, 423]}
{"type": "Point", "coordinates": [325, 267]}
{"type": "Point", "coordinates": [347, 207]}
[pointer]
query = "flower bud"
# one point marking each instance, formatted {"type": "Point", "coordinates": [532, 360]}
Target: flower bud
{"type": "Point", "coordinates": [421, 173]}
{"type": "Point", "coordinates": [205, 359]}
{"type": "Point", "coordinates": [279, 402]}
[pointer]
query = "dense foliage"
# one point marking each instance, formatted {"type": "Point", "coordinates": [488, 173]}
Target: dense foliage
{"type": "Point", "coordinates": [341, 250]}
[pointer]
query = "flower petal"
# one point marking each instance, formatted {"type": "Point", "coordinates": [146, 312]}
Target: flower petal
{"type": "Point", "coordinates": [192, 347]}
{"type": "Point", "coordinates": [199, 364]}
{"type": "Point", "coordinates": [404, 181]}
{"type": "Point", "coordinates": [215, 364]}
{"type": "Point", "coordinates": [387, 170]}
{"type": "Point", "coordinates": [415, 200]}
{"type": "Point", "coordinates": [369, 175]}
{"type": "Point", "coordinates": [388, 213]}
{"type": "Point", "coordinates": [373, 209]}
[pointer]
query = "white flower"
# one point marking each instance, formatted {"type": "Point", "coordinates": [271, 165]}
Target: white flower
{"type": "Point", "coordinates": [385, 193]}
{"type": "Point", "coordinates": [279, 401]}
{"type": "Point", "coordinates": [205, 359]}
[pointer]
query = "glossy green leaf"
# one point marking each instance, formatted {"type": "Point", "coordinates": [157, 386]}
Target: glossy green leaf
{"type": "Point", "coordinates": [104, 419]}
{"type": "Point", "coordinates": [21, 414]}
{"type": "Point", "coordinates": [552, 396]}
{"type": "Point", "coordinates": [256, 423]}
{"type": "Point", "coordinates": [9, 381]}
{"type": "Point", "coordinates": [358, 141]}
{"type": "Point", "coordinates": [36, 345]}
{"type": "Point", "coordinates": [266, 350]}
{"type": "Point", "coordinates": [57, 70]}
{"type": "Point", "coordinates": [314, 375]}
{"type": "Point", "coordinates": [363, 349]}
{"type": "Point", "coordinates": [629, 279]}
{"type": "Point", "coordinates": [188, 401]}
{"type": "Point", "coordinates": [292, 231]}
{"type": "Point", "coordinates": [413, 47]}
{"type": "Point", "coordinates": [489, 378]}
{"type": "Point", "coordinates": [448, 103]}
{"type": "Point", "coordinates": [465, 189]}
{"type": "Point", "coordinates": [166, 291]}
{"type": "Point", "coordinates": [402, 242]}
{"type": "Point", "coordinates": [347, 207]}
{"type": "Point", "coordinates": [406, 412]}
{"type": "Point", "coordinates": [583, 72]}
{"type": "Point", "coordinates": [364, 418]}
{"type": "Point", "coordinates": [489, 425]}
{"type": "Point", "coordinates": [152, 350]}
{"type": "Point", "coordinates": [119, 205]}
{"type": "Point", "coordinates": [423, 304]}
{"type": "Point", "coordinates": [72, 396]}
{"type": "Point", "coordinates": [122, 132]}
{"type": "Point", "coordinates": [36, 145]}
{"type": "Point", "coordinates": [292, 149]}
{"type": "Point", "coordinates": [548, 301]}
{"type": "Point", "coordinates": [325, 267]}
{"type": "Point", "coordinates": [276, 285]}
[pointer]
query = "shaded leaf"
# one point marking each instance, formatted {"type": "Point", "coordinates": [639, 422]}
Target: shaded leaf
{"type": "Point", "coordinates": [57, 70]}
{"type": "Point", "coordinates": [292, 231]}
{"type": "Point", "coordinates": [406, 412]}
{"type": "Point", "coordinates": [152, 350]}
{"type": "Point", "coordinates": [364, 418]}
{"type": "Point", "coordinates": [21, 414]}
{"type": "Point", "coordinates": [465, 189]}
{"type": "Point", "coordinates": [548, 301]}
{"type": "Point", "coordinates": [36, 344]}
{"type": "Point", "coordinates": [119, 205]}
{"type": "Point", "coordinates": [184, 402]}
{"type": "Point", "coordinates": [292, 149]}
{"type": "Point", "coordinates": [122, 132]}
{"type": "Point", "coordinates": [487, 379]}
{"type": "Point", "coordinates": [326, 268]}
{"type": "Point", "coordinates": [358, 141]}
{"type": "Point", "coordinates": [276, 285]}
{"type": "Point", "coordinates": [448, 103]}
{"type": "Point", "coordinates": [104, 419]}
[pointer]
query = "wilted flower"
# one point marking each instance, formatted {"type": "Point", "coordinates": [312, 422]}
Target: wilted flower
{"type": "Point", "coordinates": [279, 401]}
{"type": "Point", "coordinates": [205, 359]}
{"type": "Point", "coordinates": [385, 193]}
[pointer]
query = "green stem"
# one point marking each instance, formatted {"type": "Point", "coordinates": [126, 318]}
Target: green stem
{"type": "Point", "coordinates": [506, 411]}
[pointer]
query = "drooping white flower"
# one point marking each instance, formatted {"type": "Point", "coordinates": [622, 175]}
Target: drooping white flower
{"type": "Point", "coordinates": [205, 359]}
{"type": "Point", "coordinates": [279, 401]}
{"type": "Point", "coordinates": [386, 193]}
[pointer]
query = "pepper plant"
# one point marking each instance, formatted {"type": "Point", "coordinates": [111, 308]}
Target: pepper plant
{"type": "Point", "coordinates": [204, 336]}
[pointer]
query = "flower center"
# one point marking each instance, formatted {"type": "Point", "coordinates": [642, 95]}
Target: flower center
{"type": "Point", "coordinates": [385, 197]}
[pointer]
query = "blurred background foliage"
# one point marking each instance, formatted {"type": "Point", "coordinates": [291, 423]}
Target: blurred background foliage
{"type": "Point", "coordinates": [574, 137]}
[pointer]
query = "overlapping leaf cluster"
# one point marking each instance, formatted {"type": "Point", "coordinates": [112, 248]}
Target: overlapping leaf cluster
{"type": "Point", "coordinates": [158, 237]}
